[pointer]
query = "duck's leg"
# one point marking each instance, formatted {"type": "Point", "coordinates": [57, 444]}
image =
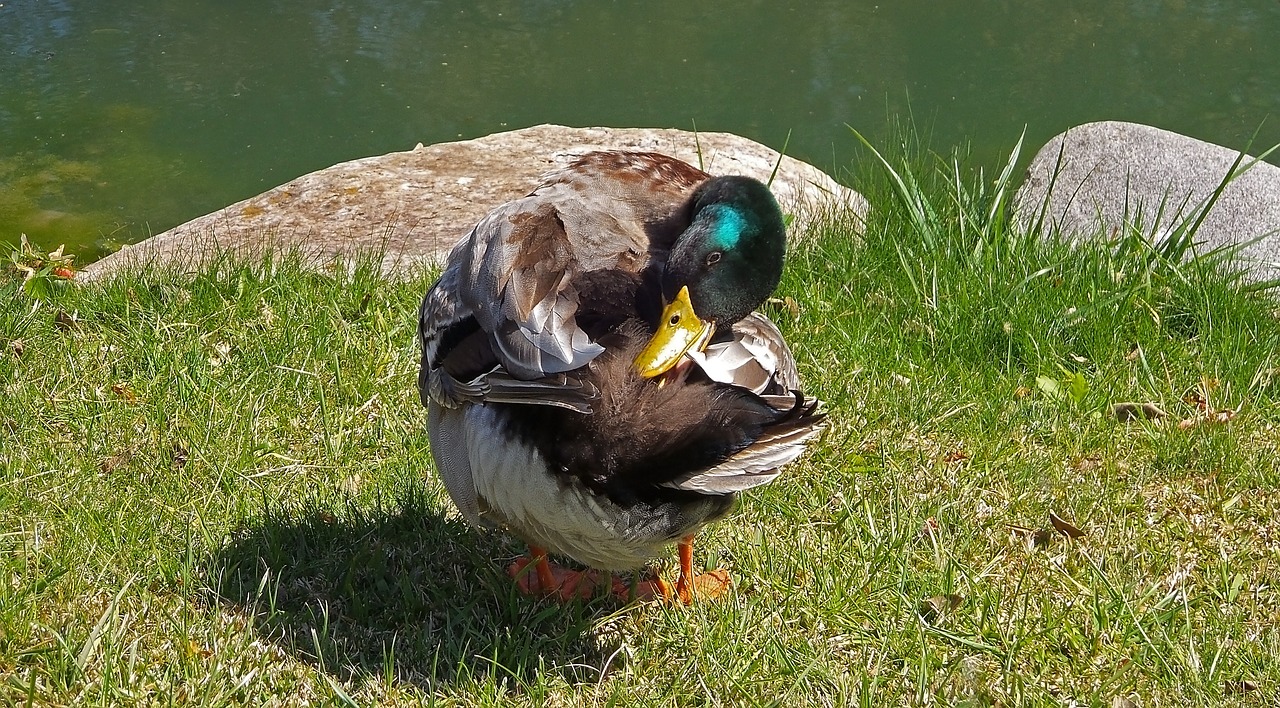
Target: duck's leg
{"type": "Point", "coordinates": [705, 586]}
{"type": "Point", "coordinates": [542, 568]}
{"type": "Point", "coordinates": [550, 579]}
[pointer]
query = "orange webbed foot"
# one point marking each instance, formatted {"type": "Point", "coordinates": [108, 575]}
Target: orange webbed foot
{"type": "Point", "coordinates": [710, 585]}
{"type": "Point", "coordinates": [688, 587]}
{"type": "Point", "coordinates": [702, 587]}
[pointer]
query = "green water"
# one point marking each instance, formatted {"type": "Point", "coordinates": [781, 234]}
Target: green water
{"type": "Point", "coordinates": [122, 119]}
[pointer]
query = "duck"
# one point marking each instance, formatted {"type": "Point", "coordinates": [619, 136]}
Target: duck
{"type": "Point", "coordinates": [597, 378]}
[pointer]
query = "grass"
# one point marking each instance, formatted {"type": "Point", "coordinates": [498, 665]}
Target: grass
{"type": "Point", "coordinates": [216, 490]}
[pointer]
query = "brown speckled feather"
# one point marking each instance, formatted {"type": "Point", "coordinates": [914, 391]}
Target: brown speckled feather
{"type": "Point", "coordinates": [513, 272]}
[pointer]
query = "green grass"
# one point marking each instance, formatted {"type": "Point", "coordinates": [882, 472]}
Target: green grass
{"type": "Point", "coordinates": [217, 491]}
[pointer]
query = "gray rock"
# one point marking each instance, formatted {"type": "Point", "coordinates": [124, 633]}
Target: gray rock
{"type": "Point", "coordinates": [1100, 178]}
{"type": "Point", "coordinates": [411, 207]}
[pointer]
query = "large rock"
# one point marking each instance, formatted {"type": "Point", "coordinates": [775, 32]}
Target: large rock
{"type": "Point", "coordinates": [1100, 178]}
{"type": "Point", "coordinates": [413, 206]}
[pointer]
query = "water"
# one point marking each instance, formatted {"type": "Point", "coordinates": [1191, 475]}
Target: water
{"type": "Point", "coordinates": [122, 119]}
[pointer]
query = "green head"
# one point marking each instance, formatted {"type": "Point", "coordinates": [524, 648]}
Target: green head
{"type": "Point", "coordinates": [730, 257]}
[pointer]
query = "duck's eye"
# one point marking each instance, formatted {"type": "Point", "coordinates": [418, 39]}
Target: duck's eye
{"type": "Point", "coordinates": [675, 320]}
{"type": "Point", "coordinates": [713, 258]}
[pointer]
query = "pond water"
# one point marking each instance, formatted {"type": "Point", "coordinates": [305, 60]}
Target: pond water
{"type": "Point", "coordinates": [122, 119]}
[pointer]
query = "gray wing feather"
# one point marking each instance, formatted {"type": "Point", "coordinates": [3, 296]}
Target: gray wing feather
{"type": "Point", "coordinates": [515, 279]}
{"type": "Point", "coordinates": [548, 341]}
{"type": "Point", "coordinates": [449, 448]}
{"type": "Point", "coordinates": [556, 390]}
{"type": "Point", "coordinates": [756, 359]}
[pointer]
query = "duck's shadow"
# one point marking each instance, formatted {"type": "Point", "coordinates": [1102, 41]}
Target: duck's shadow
{"type": "Point", "coordinates": [403, 593]}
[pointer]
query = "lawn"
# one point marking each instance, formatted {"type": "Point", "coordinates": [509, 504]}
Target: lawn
{"type": "Point", "coordinates": [216, 489]}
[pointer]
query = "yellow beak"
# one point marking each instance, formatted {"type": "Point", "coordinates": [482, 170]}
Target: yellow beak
{"type": "Point", "coordinates": [680, 331]}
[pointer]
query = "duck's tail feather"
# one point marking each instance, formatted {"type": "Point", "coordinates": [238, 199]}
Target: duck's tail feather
{"type": "Point", "coordinates": [760, 462]}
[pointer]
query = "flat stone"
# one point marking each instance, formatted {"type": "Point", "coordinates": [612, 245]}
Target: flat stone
{"type": "Point", "coordinates": [411, 207]}
{"type": "Point", "coordinates": [1098, 179]}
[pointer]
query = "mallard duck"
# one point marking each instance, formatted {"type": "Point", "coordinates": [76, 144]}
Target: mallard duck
{"type": "Point", "coordinates": [596, 379]}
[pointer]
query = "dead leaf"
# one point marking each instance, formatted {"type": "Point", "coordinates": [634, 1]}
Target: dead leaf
{"type": "Point", "coordinates": [116, 461]}
{"type": "Point", "coordinates": [1123, 702]}
{"type": "Point", "coordinates": [1223, 416]}
{"type": "Point", "coordinates": [1241, 686]}
{"type": "Point", "coordinates": [1129, 411]}
{"type": "Point", "coordinates": [1220, 417]}
{"type": "Point", "coordinates": [1088, 463]}
{"type": "Point", "coordinates": [1035, 537]}
{"type": "Point", "coordinates": [789, 303]}
{"type": "Point", "coordinates": [17, 347]}
{"type": "Point", "coordinates": [1064, 527]}
{"type": "Point", "coordinates": [1134, 352]}
{"type": "Point", "coordinates": [194, 650]}
{"type": "Point", "coordinates": [1021, 392]}
{"type": "Point", "coordinates": [955, 456]}
{"type": "Point", "coordinates": [933, 608]}
{"type": "Point", "coordinates": [930, 528]}
{"type": "Point", "coordinates": [125, 393]}
{"type": "Point", "coordinates": [178, 456]}
{"type": "Point", "coordinates": [65, 321]}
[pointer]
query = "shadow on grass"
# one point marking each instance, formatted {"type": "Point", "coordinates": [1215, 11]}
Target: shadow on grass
{"type": "Point", "coordinates": [404, 594]}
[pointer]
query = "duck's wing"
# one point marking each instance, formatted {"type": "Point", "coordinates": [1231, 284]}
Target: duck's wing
{"type": "Point", "coordinates": [512, 279]}
{"type": "Point", "coordinates": [516, 278]}
{"type": "Point", "coordinates": [460, 364]}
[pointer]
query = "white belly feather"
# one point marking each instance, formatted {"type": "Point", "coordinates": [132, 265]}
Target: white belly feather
{"type": "Point", "coordinates": [515, 490]}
